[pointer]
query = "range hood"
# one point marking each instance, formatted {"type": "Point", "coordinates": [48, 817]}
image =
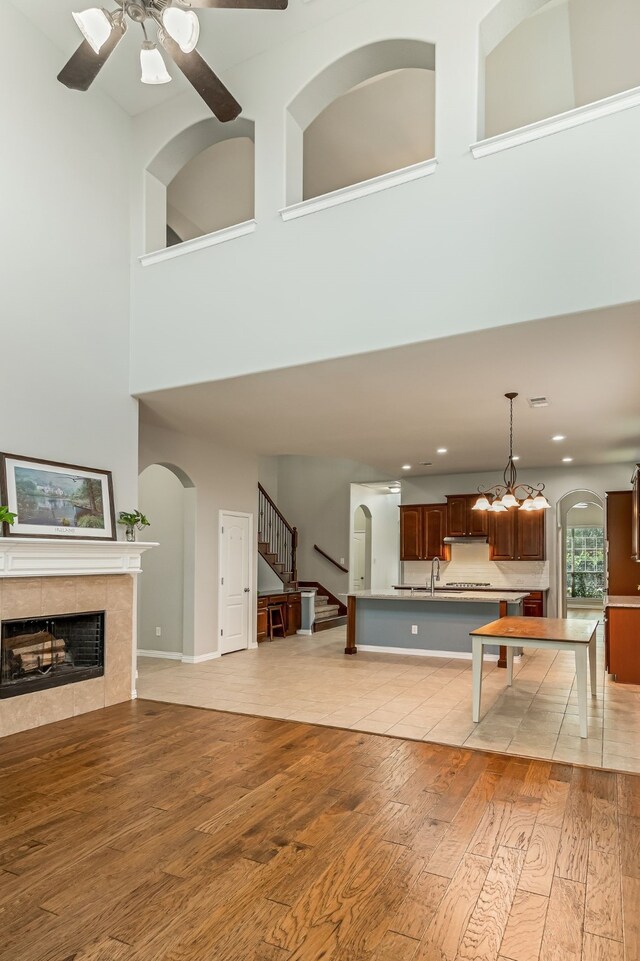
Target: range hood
{"type": "Point", "coordinates": [467, 539]}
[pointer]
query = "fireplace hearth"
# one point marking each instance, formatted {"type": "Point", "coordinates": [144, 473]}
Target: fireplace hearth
{"type": "Point", "coordinates": [37, 653]}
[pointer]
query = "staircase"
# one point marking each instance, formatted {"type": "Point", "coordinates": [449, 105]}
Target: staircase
{"type": "Point", "coordinates": [278, 544]}
{"type": "Point", "coordinates": [277, 540]}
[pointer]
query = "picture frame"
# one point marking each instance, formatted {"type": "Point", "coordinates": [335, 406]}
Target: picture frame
{"type": "Point", "coordinates": [52, 499]}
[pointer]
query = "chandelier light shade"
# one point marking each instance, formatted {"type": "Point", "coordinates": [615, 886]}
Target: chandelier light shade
{"type": "Point", "coordinates": [510, 493]}
{"type": "Point", "coordinates": [152, 65]}
{"type": "Point", "coordinates": [183, 26]}
{"type": "Point", "coordinates": [95, 26]}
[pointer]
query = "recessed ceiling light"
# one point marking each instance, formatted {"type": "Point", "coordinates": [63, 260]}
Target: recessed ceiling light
{"type": "Point", "coordinates": [580, 507]}
{"type": "Point", "coordinates": [406, 466]}
{"type": "Point", "coordinates": [559, 437]}
{"type": "Point", "coordinates": [567, 460]}
{"type": "Point", "coordinates": [516, 457]}
{"type": "Point", "coordinates": [441, 450]}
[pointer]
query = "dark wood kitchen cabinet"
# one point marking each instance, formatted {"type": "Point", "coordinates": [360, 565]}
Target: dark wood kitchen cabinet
{"type": "Point", "coordinates": [423, 528]}
{"type": "Point", "coordinates": [635, 515]}
{"type": "Point", "coordinates": [623, 572]}
{"type": "Point", "coordinates": [516, 535]}
{"type": "Point", "coordinates": [533, 604]}
{"type": "Point", "coordinates": [462, 520]}
{"type": "Point", "coordinates": [622, 652]}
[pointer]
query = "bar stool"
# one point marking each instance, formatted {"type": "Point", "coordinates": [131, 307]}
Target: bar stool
{"type": "Point", "coordinates": [276, 622]}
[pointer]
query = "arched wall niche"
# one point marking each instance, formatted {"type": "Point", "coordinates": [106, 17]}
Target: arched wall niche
{"type": "Point", "coordinates": [184, 147]}
{"type": "Point", "coordinates": [338, 78]}
{"type": "Point", "coordinates": [563, 507]}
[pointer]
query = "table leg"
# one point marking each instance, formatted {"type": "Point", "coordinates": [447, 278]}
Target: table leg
{"type": "Point", "coordinates": [509, 665]}
{"type": "Point", "coordinates": [351, 627]}
{"type": "Point", "coordinates": [581, 683]}
{"type": "Point", "coordinates": [502, 653]}
{"type": "Point", "coordinates": [593, 669]}
{"type": "Point", "coordinates": [476, 671]}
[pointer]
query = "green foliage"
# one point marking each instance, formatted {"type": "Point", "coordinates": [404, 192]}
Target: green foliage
{"type": "Point", "coordinates": [133, 519]}
{"type": "Point", "coordinates": [7, 516]}
{"type": "Point", "coordinates": [88, 520]}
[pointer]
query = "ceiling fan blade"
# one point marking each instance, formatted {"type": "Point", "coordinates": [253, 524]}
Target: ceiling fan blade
{"type": "Point", "coordinates": [242, 4]}
{"type": "Point", "coordinates": [203, 79]}
{"type": "Point", "coordinates": [85, 65]}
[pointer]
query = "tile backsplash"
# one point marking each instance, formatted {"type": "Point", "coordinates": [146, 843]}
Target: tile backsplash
{"type": "Point", "coordinates": [470, 562]}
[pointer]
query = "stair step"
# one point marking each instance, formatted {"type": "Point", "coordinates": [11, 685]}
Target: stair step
{"type": "Point", "coordinates": [331, 610]}
{"type": "Point", "coordinates": [321, 600]}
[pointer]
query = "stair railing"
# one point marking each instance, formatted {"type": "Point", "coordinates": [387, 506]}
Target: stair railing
{"type": "Point", "coordinates": [331, 559]}
{"type": "Point", "coordinates": [275, 530]}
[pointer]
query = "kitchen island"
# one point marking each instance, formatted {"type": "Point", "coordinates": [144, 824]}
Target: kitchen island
{"type": "Point", "coordinates": [417, 622]}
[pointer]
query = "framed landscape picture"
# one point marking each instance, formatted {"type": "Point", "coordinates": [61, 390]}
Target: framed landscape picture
{"type": "Point", "coordinates": [56, 500]}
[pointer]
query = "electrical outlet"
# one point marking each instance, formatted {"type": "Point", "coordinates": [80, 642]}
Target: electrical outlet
{"type": "Point", "coordinates": [414, 628]}
{"type": "Point", "coordinates": [158, 632]}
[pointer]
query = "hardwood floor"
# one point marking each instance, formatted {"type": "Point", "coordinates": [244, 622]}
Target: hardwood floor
{"type": "Point", "coordinates": [159, 832]}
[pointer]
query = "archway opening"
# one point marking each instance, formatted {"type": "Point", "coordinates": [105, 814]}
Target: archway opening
{"type": "Point", "coordinates": [166, 594]}
{"type": "Point", "coordinates": [582, 558]}
{"type": "Point", "coordinates": [361, 549]}
{"type": "Point", "coordinates": [543, 58]}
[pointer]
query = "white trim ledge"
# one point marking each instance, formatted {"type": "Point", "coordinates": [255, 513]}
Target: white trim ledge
{"type": "Point", "coordinates": [165, 655]}
{"type": "Point", "coordinates": [199, 243]}
{"type": "Point", "coordinates": [419, 652]}
{"type": "Point", "coordinates": [50, 557]}
{"type": "Point", "coordinates": [345, 194]}
{"type": "Point", "coordinates": [200, 658]}
{"type": "Point", "coordinates": [563, 121]}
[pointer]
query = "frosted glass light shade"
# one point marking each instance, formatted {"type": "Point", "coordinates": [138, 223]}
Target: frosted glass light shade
{"type": "Point", "coordinates": [540, 502]}
{"type": "Point", "coordinates": [509, 500]}
{"type": "Point", "coordinates": [482, 504]}
{"type": "Point", "coordinates": [183, 26]}
{"type": "Point", "coordinates": [527, 504]}
{"type": "Point", "coordinates": [153, 66]}
{"type": "Point", "coordinates": [95, 27]}
{"type": "Point", "coordinates": [497, 507]}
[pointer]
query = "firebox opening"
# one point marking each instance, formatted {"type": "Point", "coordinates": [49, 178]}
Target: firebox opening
{"type": "Point", "coordinates": [41, 652]}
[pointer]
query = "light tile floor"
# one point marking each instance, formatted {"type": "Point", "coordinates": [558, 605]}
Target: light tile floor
{"type": "Point", "coordinates": [421, 698]}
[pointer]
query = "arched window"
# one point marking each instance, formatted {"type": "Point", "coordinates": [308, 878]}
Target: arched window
{"type": "Point", "coordinates": [563, 54]}
{"type": "Point", "coordinates": [367, 114]}
{"type": "Point", "coordinates": [200, 182]}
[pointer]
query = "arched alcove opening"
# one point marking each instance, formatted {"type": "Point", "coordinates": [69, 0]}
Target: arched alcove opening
{"type": "Point", "coordinates": [581, 551]}
{"type": "Point", "coordinates": [543, 57]}
{"type": "Point", "coordinates": [361, 554]}
{"type": "Point", "coordinates": [368, 113]}
{"type": "Point", "coordinates": [166, 596]}
{"type": "Point", "coordinates": [200, 182]}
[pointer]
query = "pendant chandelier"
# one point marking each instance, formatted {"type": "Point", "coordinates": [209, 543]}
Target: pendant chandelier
{"type": "Point", "coordinates": [510, 493]}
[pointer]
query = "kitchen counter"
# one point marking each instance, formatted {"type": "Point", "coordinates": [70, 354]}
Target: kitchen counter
{"type": "Point", "coordinates": [615, 600]}
{"type": "Point", "coordinates": [490, 590]}
{"type": "Point", "coordinates": [415, 622]}
{"type": "Point", "coordinates": [459, 596]}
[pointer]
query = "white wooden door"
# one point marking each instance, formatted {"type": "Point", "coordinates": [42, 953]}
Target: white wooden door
{"type": "Point", "coordinates": [359, 552]}
{"type": "Point", "coordinates": [235, 581]}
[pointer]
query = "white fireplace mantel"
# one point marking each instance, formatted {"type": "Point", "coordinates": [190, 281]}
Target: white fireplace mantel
{"type": "Point", "coordinates": [52, 557]}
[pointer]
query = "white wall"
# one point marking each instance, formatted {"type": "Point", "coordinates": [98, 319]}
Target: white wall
{"type": "Point", "coordinates": [481, 243]}
{"type": "Point", "coordinates": [385, 534]}
{"type": "Point", "coordinates": [224, 479]}
{"type": "Point", "coordinates": [64, 259]}
{"type": "Point", "coordinates": [558, 481]}
{"type": "Point", "coordinates": [161, 598]}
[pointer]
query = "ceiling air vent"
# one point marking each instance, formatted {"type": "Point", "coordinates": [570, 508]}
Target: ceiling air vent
{"type": "Point", "coordinates": [538, 402]}
{"type": "Point", "coordinates": [426, 463]}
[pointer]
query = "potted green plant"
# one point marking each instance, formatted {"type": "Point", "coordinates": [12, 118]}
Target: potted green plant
{"type": "Point", "coordinates": [6, 517]}
{"type": "Point", "coordinates": [132, 520]}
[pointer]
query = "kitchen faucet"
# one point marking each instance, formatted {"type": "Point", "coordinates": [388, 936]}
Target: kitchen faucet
{"type": "Point", "coordinates": [435, 574]}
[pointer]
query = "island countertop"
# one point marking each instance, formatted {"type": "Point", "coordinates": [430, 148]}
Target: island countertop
{"type": "Point", "coordinates": [469, 597]}
{"type": "Point", "coordinates": [620, 600]}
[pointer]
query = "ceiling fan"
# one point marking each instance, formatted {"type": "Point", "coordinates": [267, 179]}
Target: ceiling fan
{"type": "Point", "coordinates": [177, 30]}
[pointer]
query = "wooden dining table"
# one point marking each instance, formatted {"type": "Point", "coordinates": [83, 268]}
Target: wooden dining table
{"type": "Point", "coordinates": [562, 634]}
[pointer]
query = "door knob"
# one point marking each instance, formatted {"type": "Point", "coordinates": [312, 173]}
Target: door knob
{"type": "Point", "coordinates": [247, 590]}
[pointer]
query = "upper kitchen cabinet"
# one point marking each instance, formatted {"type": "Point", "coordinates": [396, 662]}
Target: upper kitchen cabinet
{"type": "Point", "coordinates": [463, 521]}
{"type": "Point", "coordinates": [635, 515]}
{"type": "Point", "coordinates": [623, 571]}
{"type": "Point", "coordinates": [423, 528]}
{"type": "Point", "coordinates": [516, 535]}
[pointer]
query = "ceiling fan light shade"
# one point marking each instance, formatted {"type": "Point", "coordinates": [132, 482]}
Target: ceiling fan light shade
{"type": "Point", "coordinates": [183, 26]}
{"type": "Point", "coordinates": [95, 26]}
{"type": "Point", "coordinates": [482, 504]}
{"type": "Point", "coordinates": [153, 66]}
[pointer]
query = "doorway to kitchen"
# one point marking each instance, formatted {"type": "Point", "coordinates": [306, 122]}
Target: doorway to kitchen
{"type": "Point", "coordinates": [581, 546]}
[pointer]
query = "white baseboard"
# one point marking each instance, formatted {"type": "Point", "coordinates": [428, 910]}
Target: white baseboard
{"type": "Point", "coordinates": [167, 655]}
{"type": "Point", "coordinates": [305, 633]}
{"type": "Point", "coordinates": [199, 658]}
{"type": "Point", "coordinates": [419, 652]}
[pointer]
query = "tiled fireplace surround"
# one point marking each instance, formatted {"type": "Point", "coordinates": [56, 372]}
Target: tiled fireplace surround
{"type": "Point", "coordinates": [68, 592]}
